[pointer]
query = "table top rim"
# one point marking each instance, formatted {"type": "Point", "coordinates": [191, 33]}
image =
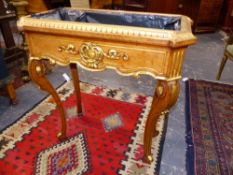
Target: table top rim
{"type": "Point", "coordinates": [27, 23]}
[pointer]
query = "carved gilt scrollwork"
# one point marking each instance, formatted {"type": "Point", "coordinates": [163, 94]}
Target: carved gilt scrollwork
{"type": "Point", "coordinates": [70, 48]}
{"type": "Point", "coordinates": [92, 55]}
{"type": "Point", "coordinates": [113, 54]}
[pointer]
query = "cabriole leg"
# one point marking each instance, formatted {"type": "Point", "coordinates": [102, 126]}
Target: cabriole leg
{"type": "Point", "coordinates": [36, 70]}
{"type": "Point", "coordinates": [223, 62]}
{"type": "Point", "coordinates": [165, 96]}
{"type": "Point", "coordinates": [11, 92]}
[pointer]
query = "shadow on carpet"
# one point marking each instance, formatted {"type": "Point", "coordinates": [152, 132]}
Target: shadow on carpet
{"type": "Point", "coordinates": [210, 128]}
{"type": "Point", "coordinates": [107, 139]}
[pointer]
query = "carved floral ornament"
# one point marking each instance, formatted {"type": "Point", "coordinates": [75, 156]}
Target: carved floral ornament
{"type": "Point", "coordinates": [92, 55]}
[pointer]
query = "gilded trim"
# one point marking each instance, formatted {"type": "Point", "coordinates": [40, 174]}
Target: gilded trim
{"type": "Point", "coordinates": [97, 28]}
{"type": "Point", "coordinates": [91, 55]}
{"type": "Point", "coordinates": [134, 73]}
{"type": "Point", "coordinates": [139, 32]}
{"type": "Point", "coordinates": [70, 48]}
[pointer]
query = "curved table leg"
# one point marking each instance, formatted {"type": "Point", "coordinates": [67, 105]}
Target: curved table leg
{"type": "Point", "coordinates": [36, 70]}
{"type": "Point", "coordinates": [75, 77]}
{"type": "Point", "coordinates": [223, 62]}
{"type": "Point", "coordinates": [165, 96]}
{"type": "Point", "coordinates": [11, 92]}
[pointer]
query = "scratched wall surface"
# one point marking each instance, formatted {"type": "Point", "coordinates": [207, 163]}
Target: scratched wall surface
{"type": "Point", "coordinates": [201, 62]}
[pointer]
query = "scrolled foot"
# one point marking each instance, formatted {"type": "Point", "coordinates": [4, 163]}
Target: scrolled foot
{"type": "Point", "coordinates": [155, 133]}
{"type": "Point", "coordinates": [14, 102]}
{"type": "Point", "coordinates": [61, 136]}
{"type": "Point", "coordinates": [148, 159]}
{"type": "Point", "coordinates": [80, 114]}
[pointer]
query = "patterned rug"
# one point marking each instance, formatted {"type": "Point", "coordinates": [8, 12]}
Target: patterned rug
{"type": "Point", "coordinates": [210, 128]}
{"type": "Point", "coordinates": [106, 140]}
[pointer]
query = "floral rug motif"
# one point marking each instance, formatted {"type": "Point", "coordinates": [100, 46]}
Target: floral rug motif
{"type": "Point", "coordinates": [210, 128]}
{"type": "Point", "coordinates": [107, 139]}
